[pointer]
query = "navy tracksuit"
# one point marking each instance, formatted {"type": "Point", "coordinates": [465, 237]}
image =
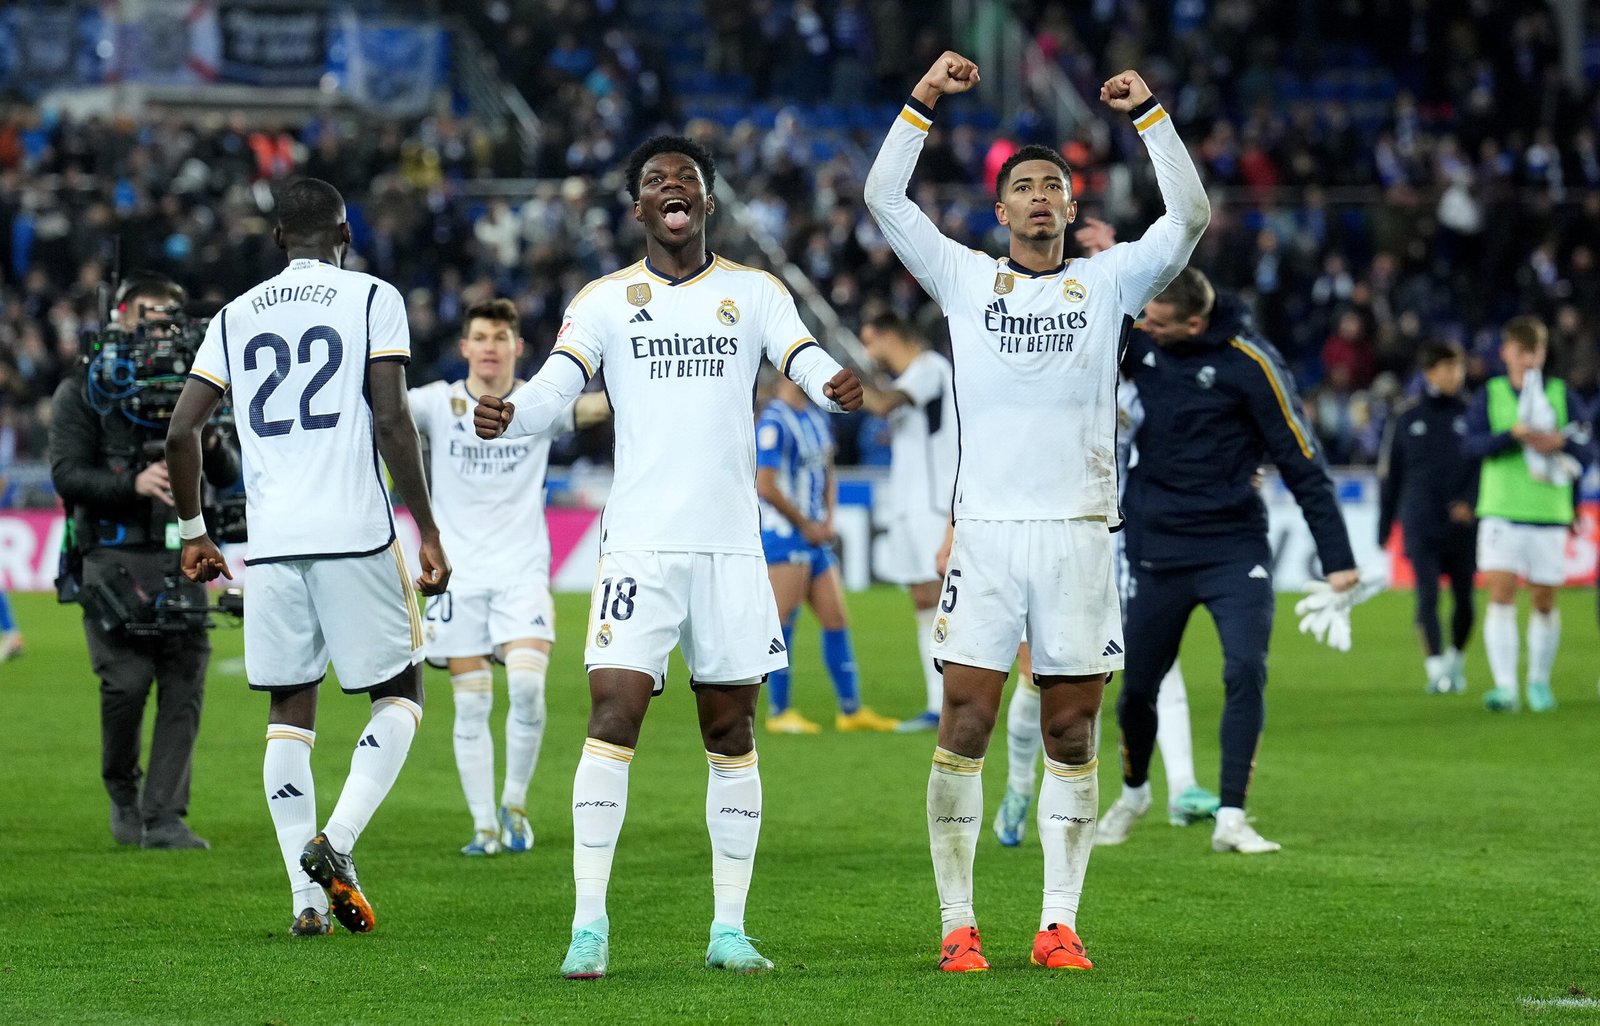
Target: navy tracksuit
{"type": "Point", "coordinates": [1424, 470]}
{"type": "Point", "coordinates": [1216, 407]}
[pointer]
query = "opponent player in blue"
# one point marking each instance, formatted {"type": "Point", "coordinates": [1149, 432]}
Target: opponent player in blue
{"type": "Point", "coordinates": [794, 479]}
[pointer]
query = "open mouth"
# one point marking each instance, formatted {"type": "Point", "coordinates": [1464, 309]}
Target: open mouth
{"type": "Point", "coordinates": [1041, 215]}
{"type": "Point", "coordinates": [675, 214]}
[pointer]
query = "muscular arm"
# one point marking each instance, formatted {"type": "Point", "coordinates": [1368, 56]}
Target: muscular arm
{"type": "Point", "coordinates": [397, 439]}
{"type": "Point", "coordinates": [196, 403]}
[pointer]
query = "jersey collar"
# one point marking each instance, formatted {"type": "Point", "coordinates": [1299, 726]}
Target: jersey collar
{"type": "Point", "coordinates": [1016, 268]}
{"type": "Point", "coordinates": [306, 263]}
{"type": "Point", "coordinates": [695, 275]}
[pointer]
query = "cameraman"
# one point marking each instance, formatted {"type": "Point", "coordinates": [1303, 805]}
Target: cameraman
{"type": "Point", "coordinates": [110, 474]}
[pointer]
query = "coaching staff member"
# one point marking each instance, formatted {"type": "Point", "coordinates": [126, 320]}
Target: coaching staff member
{"type": "Point", "coordinates": [1430, 485]}
{"type": "Point", "coordinates": [121, 509]}
{"type": "Point", "coordinates": [1218, 403]}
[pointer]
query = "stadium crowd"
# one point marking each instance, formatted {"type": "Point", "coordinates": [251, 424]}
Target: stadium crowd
{"type": "Point", "coordinates": [1425, 185]}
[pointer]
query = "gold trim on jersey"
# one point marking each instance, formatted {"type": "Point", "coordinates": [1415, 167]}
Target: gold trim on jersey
{"type": "Point", "coordinates": [613, 276]}
{"type": "Point", "coordinates": [788, 355]}
{"type": "Point", "coordinates": [729, 265]}
{"type": "Point", "coordinates": [712, 266]}
{"type": "Point", "coordinates": [576, 356]}
{"type": "Point", "coordinates": [1277, 390]}
{"type": "Point", "coordinates": [413, 615]}
{"type": "Point", "coordinates": [388, 352]}
{"type": "Point", "coordinates": [914, 119]}
{"type": "Point", "coordinates": [1151, 119]}
{"type": "Point", "coordinates": [209, 377]}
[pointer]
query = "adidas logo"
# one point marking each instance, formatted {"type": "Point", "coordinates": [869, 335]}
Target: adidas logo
{"type": "Point", "coordinates": [368, 742]}
{"type": "Point", "coordinates": [1259, 573]}
{"type": "Point", "coordinates": [287, 791]}
{"type": "Point", "coordinates": [460, 426]}
{"type": "Point", "coordinates": [999, 306]}
{"type": "Point", "coordinates": [641, 316]}
{"type": "Point", "coordinates": [538, 621]}
{"type": "Point", "coordinates": [1112, 648]}
{"type": "Point", "coordinates": [776, 647]}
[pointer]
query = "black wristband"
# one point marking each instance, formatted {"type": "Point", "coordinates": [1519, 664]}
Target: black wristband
{"type": "Point", "coordinates": [1144, 108]}
{"type": "Point", "coordinates": [920, 107]}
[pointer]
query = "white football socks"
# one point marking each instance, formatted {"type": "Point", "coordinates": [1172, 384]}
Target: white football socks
{"type": "Point", "coordinates": [1068, 802]}
{"type": "Point", "coordinates": [1500, 640]}
{"type": "Point", "coordinates": [955, 804]}
{"type": "Point", "coordinates": [373, 768]}
{"type": "Point", "coordinates": [1544, 637]}
{"type": "Point", "coordinates": [1173, 737]}
{"type": "Point", "coordinates": [599, 803]}
{"type": "Point", "coordinates": [473, 693]}
{"type": "Point", "coordinates": [525, 673]}
{"type": "Point", "coordinates": [733, 817]}
{"type": "Point", "coordinates": [932, 679]}
{"type": "Point", "coordinates": [1024, 737]}
{"type": "Point", "coordinates": [292, 800]}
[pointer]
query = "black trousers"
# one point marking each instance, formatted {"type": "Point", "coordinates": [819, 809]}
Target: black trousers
{"type": "Point", "coordinates": [1453, 555]}
{"type": "Point", "coordinates": [128, 667]}
{"type": "Point", "coordinates": [1238, 595]}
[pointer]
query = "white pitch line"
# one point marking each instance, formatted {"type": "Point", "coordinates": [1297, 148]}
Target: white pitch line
{"type": "Point", "coordinates": [1592, 1004]}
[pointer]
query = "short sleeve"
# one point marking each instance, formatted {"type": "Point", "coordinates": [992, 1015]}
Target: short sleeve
{"type": "Point", "coordinates": [770, 438]}
{"type": "Point", "coordinates": [920, 382]}
{"type": "Point", "coordinates": [388, 333]}
{"type": "Point", "coordinates": [211, 359]}
{"type": "Point", "coordinates": [425, 403]}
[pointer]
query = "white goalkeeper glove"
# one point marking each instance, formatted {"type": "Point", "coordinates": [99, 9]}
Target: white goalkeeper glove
{"type": "Point", "coordinates": [1325, 613]}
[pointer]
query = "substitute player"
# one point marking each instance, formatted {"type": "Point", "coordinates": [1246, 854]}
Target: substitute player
{"type": "Point", "coordinates": [920, 407]}
{"type": "Point", "coordinates": [798, 492]}
{"type": "Point", "coordinates": [489, 497]}
{"type": "Point", "coordinates": [1035, 342]}
{"type": "Point", "coordinates": [1520, 427]}
{"type": "Point", "coordinates": [681, 335]}
{"type": "Point", "coordinates": [315, 360]}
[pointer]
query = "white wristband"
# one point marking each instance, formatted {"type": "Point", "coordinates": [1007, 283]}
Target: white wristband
{"type": "Point", "coordinates": [194, 527]}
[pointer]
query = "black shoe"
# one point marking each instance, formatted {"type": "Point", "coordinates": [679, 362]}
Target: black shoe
{"type": "Point", "coordinates": [127, 823]}
{"type": "Point", "coordinates": [311, 923]}
{"type": "Point", "coordinates": [172, 834]}
{"type": "Point", "coordinates": [337, 875]}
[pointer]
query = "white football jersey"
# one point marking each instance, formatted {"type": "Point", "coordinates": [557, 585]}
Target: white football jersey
{"type": "Point", "coordinates": [923, 448]}
{"type": "Point", "coordinates": [294, 350]}
{"type": "Point", "coordinates": [680, 359]}
{"type": "Point", "coordinates": [1035, 354]}
{"type": "Point", "coordinates": [488, 495]}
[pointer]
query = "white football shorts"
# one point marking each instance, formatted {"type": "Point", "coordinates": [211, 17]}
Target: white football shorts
{"type": "Point", "coordinates": [1051, 583]}
{"type": "Point", "coordinates": [359, 611]}
{"type": "Point", "coordinates": [461, 624]}
{"type": "Point", "coordinates": [910, 549]}
{"type": "Point", "coordinates": [1535, 552]}
{"type": "Point", "coordinates": [717, 607]}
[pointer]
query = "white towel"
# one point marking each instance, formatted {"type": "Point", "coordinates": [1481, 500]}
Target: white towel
{"type": "Point", "coordinates": [1534, 409]}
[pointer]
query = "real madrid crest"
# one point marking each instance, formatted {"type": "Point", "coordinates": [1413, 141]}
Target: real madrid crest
{"type": "Point", "coordinates": [458, 405]}
{"type": "Point", "coordinates": [1073, 291]}
{"type": "Point", "coordinates": [603, 637]}
{"type": "Point", "coordinates": [941, 630]}
{"type": "Point", "coordinates": [1004, 283]}
{"type": "Point", "coordinates": [639, 294]}
{"type": "Point", "coordinates": [727, 313]}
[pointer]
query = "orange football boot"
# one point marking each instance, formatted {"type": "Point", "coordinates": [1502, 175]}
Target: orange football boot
{"type": "Point", "coordinates": [962, 952]}
{"type": "Point", "coordinates": [1059, 948]}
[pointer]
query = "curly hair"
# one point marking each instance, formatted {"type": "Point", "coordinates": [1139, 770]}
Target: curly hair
{"type": "Point", "coordinates": [669, 144]}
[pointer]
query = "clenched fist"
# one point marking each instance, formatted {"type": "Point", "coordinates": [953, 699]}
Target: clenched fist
{"type": "Point", "coordinates": [1124, 92]}
{"type": "Point", "coordinates": [843, 388]}
{"type": "Point", "coordinates": [951, 73]}
{"type": "Point", "coordinates": [492, 416]}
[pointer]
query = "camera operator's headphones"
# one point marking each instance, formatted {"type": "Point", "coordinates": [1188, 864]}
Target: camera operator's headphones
{"type": "Point", "coordinates": [145, 282]}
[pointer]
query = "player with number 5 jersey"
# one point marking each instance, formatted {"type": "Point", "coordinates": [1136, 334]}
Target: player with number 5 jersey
{"type": "Point", "coordinates": [1035, 344]}
{"type": "Point", "coordinates": [680, 337]}
{"type": "Point", "coordinates": [315, 361]}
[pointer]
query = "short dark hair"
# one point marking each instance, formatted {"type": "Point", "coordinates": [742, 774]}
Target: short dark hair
{"type": "Point", "coordinates": [1525, 332]}
{"type": "Point", "coordinates": [1435, 353]}
{"type": "Point", "coordinates": [660, 144]}
{"type": "Point", "coordinates": [894, 324]}
{"type": "Point", "coordinates": [309, 208]}
{"type": "Point", "coordinates": [1190, 294]}
{"type": "Point", "coordinates": [1031, 152]}
{"type": "Point", "coordinates": [501, 310]}
{"type": "Point", "coordinates": [141, 284]}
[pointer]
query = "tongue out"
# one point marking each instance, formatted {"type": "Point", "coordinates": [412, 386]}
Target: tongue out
{"type": "Point", "coordinates": [676, 219]}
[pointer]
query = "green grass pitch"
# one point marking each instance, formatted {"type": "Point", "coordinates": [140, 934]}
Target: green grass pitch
{"type": "Point", "coordinates": [1439, 863]}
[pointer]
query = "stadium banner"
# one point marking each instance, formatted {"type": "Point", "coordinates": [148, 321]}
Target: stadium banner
{"type": "Point", "coordinates": [279, 45]}
{"type": "Point", "coordinates": [48, 48]}
{"type": "Point", "coordinates": [390, 67]}
{"type": "Point", "coordinates": [30, 540]}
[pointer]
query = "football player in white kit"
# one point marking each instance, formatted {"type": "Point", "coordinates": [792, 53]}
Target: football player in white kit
{"type": "Point", "coordinates": [680, 335]}
{"type": "Point", "coordinates": [920, 407]}
{"type": "Point", "coordinates": [1035, 344]}
{"type": "Point", "coordinates": [489, 498]}
{"type": "Point", "coordinates": [315, 361]}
